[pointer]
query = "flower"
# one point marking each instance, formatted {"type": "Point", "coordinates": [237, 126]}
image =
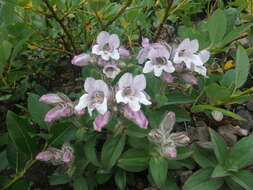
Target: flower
{"type": "Point", "coordinates": [146, 47]}
{"type": "Point", "coordinates": [131, 91]}
{"type": "Point", "coordinates": [187, 53]}
{"type": "Point", "coordinates": [159, 62]}
{"type": "Point", "coordinates": [101, 121]}
{"type": "Point", "coordinates": [63, 106]}
{"type": "Point", "coordinates": [124, 53]}
{"type": "Point", "coordinates": [107, 46]}
{"type": "Point", "coordinates": [96, 97]}
{"type": "Point", "coordinates": [166, 140]}
{"type": "Point", "coordinates": [111, 70]}
{"type": "Point", "coordinates": [189, 78]}
{"type": "Point", "coordinates": [137, 117]}
{"type": "Point", "coordinates": [82, 59]}
{"type": "Point", "coordinates": [167, 77]}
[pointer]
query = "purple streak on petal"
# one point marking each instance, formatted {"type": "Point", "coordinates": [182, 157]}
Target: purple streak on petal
{"type": "Point", "coordinates": [57, 113]}
{"type": "Point", "coordinates": [101, 121]}
{"type": "Point", "coordinates": [67, 157]}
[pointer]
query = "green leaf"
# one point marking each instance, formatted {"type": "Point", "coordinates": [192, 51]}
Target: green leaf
{"type": "Point", "coordinates": [57, 179]}
{"type": "Point", "coordinates": [179, 98]}
{"type": "Point", "coordinates": [135, 131]}
{"type": "Point", "coordinates": [242, 67]}
{"type": "Point", "coordinates": [158, 168]}
{"type": "Point", "coordinates": [80, 183]}
{"type": "Point", "coordinates": [37, 109]}
{"type": "Point", "coordinates": [170, 184]}
{"type": "Point", "coordinates": [90, 151]}
{"type": "Point", "coordinates": [235, 33]}
{"type": "Point", "coordinates": [120, 179]}
{"type": "Point", "coordinates": [20, 185]}
{"type": "Point", "coordinates": [199, 108]}
{"type": "Point", "coordinates": [18, 130]}
{"type": "Point", "coordinates": [134, 160]}
{"type": "Point", "coordinates": [244, 147]}
{"type": "Point", "coordinates": [187, 163]}
{"type": "Point", "coordinates": [217, 26]}
{"type": "Point", "coordinates": [220, 148]}
{"type": "Point", "coordinates": [138, 143]}
{"type": "Point", "coordinates": [5, 49]}
{"type": "Point", "coordinates": [4, 161]}
{"type": "Point", "coordinates": [244, 178]}
{"type": "Point", "coordinates": [233, 185]}
{"type": "Point", "coordinates": [211, 92]}
{"type": "Point", "coordinates": [62, 132]}
{"type": "Point", "coordinates": [201, 180]}
{"type": "Point", "coordinates": [112, 150]}
{"type": "Point", "coordinates": [219, 171]}
{"type": "Point", "coordinates": [205, 158]}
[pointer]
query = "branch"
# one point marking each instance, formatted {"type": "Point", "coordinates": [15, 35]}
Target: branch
{"type": "Point", "coordinates": [62, 25]}
{"type": "Point", "coordinates": [121, 11]}
{"type": "Point", "coordinates": [54, 49]}
{"type": "Point", "coordinates": [166, 14]}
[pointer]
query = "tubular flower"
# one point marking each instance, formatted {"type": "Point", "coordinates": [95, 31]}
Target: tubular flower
{"type": "Point", "coordinates": [131, 91]}
{"type": "Point", "coordinates": [96, 97]}
{"type": "Point", "coordinates": [107, 46]}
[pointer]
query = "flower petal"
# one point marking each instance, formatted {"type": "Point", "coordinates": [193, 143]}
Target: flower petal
{"type": "Point", "coordinates": [102, 108]}
{"type": "Point", "coordinates": [83, 102]}
{"type": "Point", "coordinates": [103, 37]}
{"type": "Point", "coordinates": [101, 121]}
{"type": "Point", "coordinates": [148, 67]}
{"type": "Point", "coordinates": [126, 80]}
{"type": "Point", "coordinates": [89, 84]}
{"type": "Point", "coordinates": [139, 82]}
{"type": "Point", "coordinates": [115, 54]}
{"type": "Point", "coordinates": [114, 41]}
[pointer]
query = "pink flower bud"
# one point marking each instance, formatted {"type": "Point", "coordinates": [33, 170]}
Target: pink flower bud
{"type": "Point", "coordinates": [189, 78]}
{"type": "Point", "coordinates": [102, 62]}
{"type": "Point", "coordinates": [168, 122]}
{"type": "Point", "coordinates": [44, 156]}
{"type": "Point", "coordinates": [56, 113]}
{"type": "Point", "coordinates": [137, 117]}
{"type": "Point", "coordinates": [67, 157]}
{"type": "Point", "coordinates": [170, 152]}
{"type": "Point", "coordinates": [79, 112]}
{"type": "Point", "coordinates": [167, 77]}
{"type": "Point", "coordinates": [81, 60]}
{"type": "Point", "coordinates": [51, 99]}
{"type": "Point", "coordinates": [101, 121]}
{"type": "Point", "coordinates": [124, 53]}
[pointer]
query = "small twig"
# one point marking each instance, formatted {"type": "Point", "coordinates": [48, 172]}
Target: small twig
{"type": "Point", "coordinates": [62, 25]}
{"type": "Point", "coordinates": [54, 49]}
{"type": "Point", "coordinates": [166, 14]}
{"type": "Point", "coordinates": [121, 11]}
{"type": "Point", "coordinates": [99, 20]}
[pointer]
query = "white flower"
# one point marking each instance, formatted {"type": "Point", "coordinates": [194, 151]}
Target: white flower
{"type": "Point", "coordinates": [107, 46]}
{"type": "Point", "coordinates": [96, 97]}
{"type": "Point", "coordinates": [111, 71]}
{"type": "Point", "coordinates": [131, 91]}
{"type": "Point", "coordinates": [187, 53]}
{"type": "Point", "coordinates": [159, 62]}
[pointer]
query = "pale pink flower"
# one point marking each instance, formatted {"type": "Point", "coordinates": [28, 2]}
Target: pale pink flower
{"type": "Point", "coordinates": [96, 97]}
{"type": "Point", "coordinates": [44, 156]}
{"type": "Point", "coordinates": [101, 121]}
{"type": "Point", "coordinates": [137, 117]}
{"type": "Point", "coordinates": [187, 52]}
{"type": "Point", "coordinates": [124, 53]}
{"type": "Point", "coordinates": [131, 91]}
{"type": "Point", "coordinates": [107, 46]}
{"type": "Point", "coordinates": [111, 71]}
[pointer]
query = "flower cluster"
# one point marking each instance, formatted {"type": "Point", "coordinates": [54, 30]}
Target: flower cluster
{"type": "Point", "coordinates": [165, 140]}
{"type": "Point", "coordinates": [129, 93]}
{"type": "Point", "coordinates": [57, 156]}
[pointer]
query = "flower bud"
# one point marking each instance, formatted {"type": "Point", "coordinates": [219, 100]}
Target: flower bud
{"type": "Point", "coordinates": [56, 113]}
{"type": "Point", "coordinates": [168, 122]}
{"type": "Point", "coordinates": [167, 77]}
{"type": "Point", "coordinates": [137, 117]}
{"type": "Point", "coordinates": [79, 112]}
{"type": "Point", "coordinates": [44, 156]}
{"type": "Point", "coordinates": [155, 136]}
{"type": "Point", "coordinates": [180, 138]}
{"type": "Point", "coordinates": [51, 99]}
{"type": "Point", "coordinates": [81, 60]}
{"type": "Point", "coordinates": [101, 121]}
{"type": "Point", "coordinates": [67, 157]}
{"type": "Point", "coordinates": [124, 53]}
{"type": "Point", "coordinates": [189, 78]}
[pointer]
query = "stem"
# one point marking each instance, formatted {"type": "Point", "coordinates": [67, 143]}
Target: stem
{"type": "Point", "coordinates": [169, 3]}
{"type": "Point", "coordinates": [54, 49]}
{"type": "Point", "coordinates": [121, 11]}
{"type": "Point", "coordinates": [99, 20]}
{"type": "Point", "coordinates": [62, 25]}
